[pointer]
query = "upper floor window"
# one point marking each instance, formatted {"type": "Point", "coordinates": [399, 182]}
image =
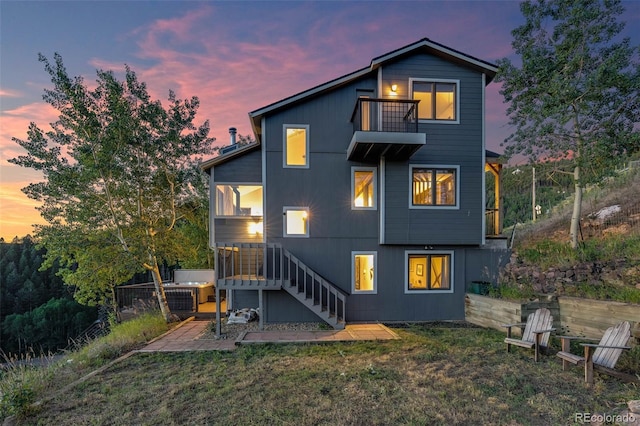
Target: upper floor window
{"type": "Point", "coordinates": [428, 271]}
{"type": "Point", "coordinates": [434, 186]}
{"type": "Point", "coordinates": [296, 221]}
{"type": "Point", "coordinates": [438, 99]}
{"type": "Point", "coordinates": [296, 146]}
{"type": "Point", "coordinates": [238, 200]}
{"type": "Point", "coordinates": [363, 188]}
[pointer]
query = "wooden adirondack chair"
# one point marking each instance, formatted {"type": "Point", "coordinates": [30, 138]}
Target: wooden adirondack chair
{"type": "Point", "coordinates": [602, 356]}
{"type": "Point", "coordinates": [537, 331]}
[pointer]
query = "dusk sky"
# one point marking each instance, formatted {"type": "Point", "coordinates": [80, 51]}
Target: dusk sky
{"type": "Point", "coordinates": [235, 56]}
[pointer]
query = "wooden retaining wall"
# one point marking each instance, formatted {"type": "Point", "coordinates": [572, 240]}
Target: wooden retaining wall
{"type": "Point", "coordinates": [493, 313]}
{"type": "Point", "coordinates": [571, 315]}
{"type": "Point", "coordinates": [590, 318]}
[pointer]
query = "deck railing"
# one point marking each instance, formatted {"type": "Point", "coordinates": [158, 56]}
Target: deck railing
{"type": "Point", "coordinates": [269, 266]}
{"type": "Point", "coordinates": [492, 222]}
{"type": "Point", "coordinates": [385, 115]}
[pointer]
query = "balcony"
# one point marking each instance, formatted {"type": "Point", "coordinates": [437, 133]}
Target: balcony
{"type": "Point", "coordinates": [385, 128]}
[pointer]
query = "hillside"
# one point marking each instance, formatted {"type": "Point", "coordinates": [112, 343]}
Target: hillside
{"type": "Point", "coordinates": [612, 208]}
{"type": "Point", "coordinates": [607, 265]}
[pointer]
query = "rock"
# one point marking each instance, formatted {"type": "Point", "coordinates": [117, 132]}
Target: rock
{"type": "Point", "coordinates": [634, 406]}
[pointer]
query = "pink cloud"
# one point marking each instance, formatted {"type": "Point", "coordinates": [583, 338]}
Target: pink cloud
{"type": "Point", "coordinates": [15, 123]}
{"type": "Point", "coordinates": [8, 93]}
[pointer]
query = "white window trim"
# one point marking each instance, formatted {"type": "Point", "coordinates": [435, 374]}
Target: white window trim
{"type": "Point", "coordinates": [284, 145]}
{"type": "Point", "coordinates": [375, 187]}
{"type": "Point", "coordinates": [285, 209]}
{"type": "Point", "coordinates": [438, 80]}
{"type": "Point", "coordinates": [215, 213]}
{"type": "Point", "coordinates": [428, 252]}
{"type": "Point", "coordinates": [456, 206]}
{"type": "Point", "coordinates": [353, 272]}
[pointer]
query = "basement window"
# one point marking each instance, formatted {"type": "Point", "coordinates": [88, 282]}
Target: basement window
{"type": "Point", "coordinates": [429, 271]}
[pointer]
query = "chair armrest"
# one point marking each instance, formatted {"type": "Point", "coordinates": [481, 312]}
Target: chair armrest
{"type": "Point", "coordinates": [577, 338]}
{"type": "Point", "coordinates": [544, 331]}
{"type": "Point", "coordinates": [519, 324]}
{"type": "Point", "coordinates": [593, 345]}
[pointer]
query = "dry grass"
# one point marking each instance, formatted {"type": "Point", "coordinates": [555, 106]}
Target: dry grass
{"type": "Point", "coordinates": [436, 374]}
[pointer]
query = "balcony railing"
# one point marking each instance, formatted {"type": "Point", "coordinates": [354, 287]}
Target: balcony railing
{"type": "Point", "coordinates": [492, 217]}
{"type": "Point", "coordinates": [385, 115]}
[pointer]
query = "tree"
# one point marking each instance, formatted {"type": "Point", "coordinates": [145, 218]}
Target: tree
{"type": "Point", "coordinates": [576, 94]}
{"type": "Point", "coordinates": [118, 169]}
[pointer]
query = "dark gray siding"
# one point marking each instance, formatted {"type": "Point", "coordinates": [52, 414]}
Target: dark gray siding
{"type": "Point", "coordinates": [247, 168]}
{"type": "Point", "coordinates": [447, 144]}
{"type": "Point", "coordinates": [235, 230]}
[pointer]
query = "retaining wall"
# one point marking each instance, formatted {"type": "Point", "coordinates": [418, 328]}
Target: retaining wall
{"type": "Point", "coordinates": [571, 315]}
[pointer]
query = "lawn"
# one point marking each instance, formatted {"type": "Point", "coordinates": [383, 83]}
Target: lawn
{"type": "Point", "coordinates": [437, 374]}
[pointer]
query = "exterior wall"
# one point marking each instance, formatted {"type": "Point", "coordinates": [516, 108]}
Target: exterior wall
{"type": "Point", "coordinates": [335, 230]}
{"type": "Point", "coordinates": [447, 144]}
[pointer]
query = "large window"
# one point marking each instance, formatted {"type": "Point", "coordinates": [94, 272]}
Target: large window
{"type": "Point", "coordinates": [296, 221]}
{"type": "Point", "coordinates": [433, 186]}
{"type": "Point", "coordinates": [429, 272]}
{"type": "Point", "coordinates": [363, 188]}
{"type": "Point", "coordinates": [238, 200]}
{"type": "Point", "coordinates": [364, 271]}
{"type": "Point", "coordinates": [296, 146]}
{"type": "Point", "coordinates": [438, 99]}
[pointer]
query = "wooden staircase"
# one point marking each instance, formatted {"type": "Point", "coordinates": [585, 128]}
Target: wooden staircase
{"type": "Point", "coordinates": [317, 294]}
{"type": "Point", "coordinates": [252, 266]}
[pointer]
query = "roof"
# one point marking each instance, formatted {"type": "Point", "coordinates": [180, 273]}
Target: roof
{"type": "Point", "coordinates": [223, 158]}
{"type": "Point", "coordinates": [424, 44]}
{"type": "Point", "coordinates": [433, 47]}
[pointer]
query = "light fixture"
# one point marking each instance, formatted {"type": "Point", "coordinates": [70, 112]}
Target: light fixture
{"type": "Point", "coordinates": [394, 88]}
{"type": "Point", "coordinates": [256, 228]}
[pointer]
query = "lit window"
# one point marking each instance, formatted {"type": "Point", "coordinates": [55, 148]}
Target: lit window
{"type": "Point", "coordinates": [429, 272]}
{"type": "Point", "coordinates": [363, 188]}
{"type": "Point", "coordinates": [296, 222]}
{"type": "Point", "coordinates": [433, 186]}
{"type": "Point", "coordinates": [238, 200]}
{"type": "Point", "coordinates": [364, 272]}
{"type": "Point", "coordinates": [438, 99]}
{"type": "Point", "coordinates": [296, 146]}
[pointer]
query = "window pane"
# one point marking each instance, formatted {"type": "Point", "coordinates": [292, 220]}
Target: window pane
{"type": "Point", "coordinates": [423, 92]}
{"type": "Point", "coordinates": [445, 101]}
{"type": "Point", "coordinates": [445, 187]}
{"type": "Point", "coordinates": [422, 186]}
{"type": "Point", "coordinates": [439, 272]}
{"type": "Point", "coordinates": [296, 147]}
{"type": "Point", "coordinates": [364, 272]}
{"type": "Point", "coordinates": [363, 188]}
{"type": "Point", "coordinates": [417, 271]}
{"type": "Point", "coordinates": [238, 200]}
{"type": "Point", "coordinates": [296, 222]}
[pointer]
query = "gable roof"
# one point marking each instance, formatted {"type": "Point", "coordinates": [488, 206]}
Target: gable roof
{"type": "Point", "coordinates": [424, 44]}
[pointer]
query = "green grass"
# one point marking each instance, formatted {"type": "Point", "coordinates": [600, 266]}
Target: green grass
{"type": "Point", "coordinates": [550, 253]}
{"type": "Point", "coordinates": [437, 374]}
{"type": "Point", "coordinates": [21, 385]}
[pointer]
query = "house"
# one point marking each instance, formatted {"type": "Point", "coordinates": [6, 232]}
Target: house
{"type": "Point", "coordinates": [362, 199]}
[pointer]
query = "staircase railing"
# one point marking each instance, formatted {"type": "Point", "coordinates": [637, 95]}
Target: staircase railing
{"type": "Point", "coordinates": [269, 266]}
{"type": "Point", "coordinates": [314, 291]}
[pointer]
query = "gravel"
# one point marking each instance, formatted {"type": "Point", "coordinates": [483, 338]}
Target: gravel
{"type": "Point", "coordinates": [233, 331]}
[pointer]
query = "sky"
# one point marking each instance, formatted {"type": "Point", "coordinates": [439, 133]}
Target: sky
{"type": "Point", "coordinates": [235, 56]}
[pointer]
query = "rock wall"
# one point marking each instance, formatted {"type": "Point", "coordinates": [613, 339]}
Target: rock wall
{"type": "Point", "coordinates": [621, 272]}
